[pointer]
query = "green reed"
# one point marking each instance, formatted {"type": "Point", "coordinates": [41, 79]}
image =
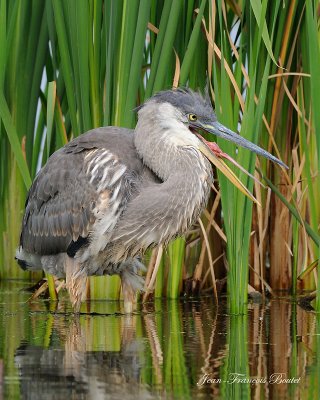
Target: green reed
{"type": "Point", "coordinates": [101, 60]}
{"type": "Point", "coordinates": [235, 369]}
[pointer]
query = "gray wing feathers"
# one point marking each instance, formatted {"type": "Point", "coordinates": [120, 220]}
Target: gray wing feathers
{"type": "Point", "coordinates": [58, 208]}
{"type": "Point", "coordinates": [65, 201]}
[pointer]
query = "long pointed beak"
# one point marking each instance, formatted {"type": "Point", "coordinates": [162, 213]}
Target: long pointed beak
{"type": "Point", "coordinates": [221, 131]}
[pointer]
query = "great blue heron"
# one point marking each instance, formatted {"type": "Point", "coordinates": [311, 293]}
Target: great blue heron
{"type": "Point", "coordinates": [111, 193]}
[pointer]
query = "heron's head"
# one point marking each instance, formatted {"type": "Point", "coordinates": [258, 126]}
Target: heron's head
{"type": "Point", "coordinates": [176, 110]}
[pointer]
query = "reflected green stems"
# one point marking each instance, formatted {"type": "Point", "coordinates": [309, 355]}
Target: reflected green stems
{"type": "Point", "coordinates": [235, 370]}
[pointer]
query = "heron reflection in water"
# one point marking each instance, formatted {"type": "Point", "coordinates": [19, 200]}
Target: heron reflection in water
{"type": "Point", "coordinates": [111, 193]}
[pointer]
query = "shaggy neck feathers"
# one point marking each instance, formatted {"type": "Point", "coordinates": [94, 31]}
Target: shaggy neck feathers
{"type": "Point", "coordinates": [170, 150]}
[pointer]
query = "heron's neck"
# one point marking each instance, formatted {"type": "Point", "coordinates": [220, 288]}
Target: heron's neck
{"type": "Point", "coordinates": [170, 151]}
{"type": "Point", "coordinates": [162, 141]}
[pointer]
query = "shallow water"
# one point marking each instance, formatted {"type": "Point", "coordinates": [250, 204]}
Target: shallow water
{"type": "Point", "coordinates": [173, 349]}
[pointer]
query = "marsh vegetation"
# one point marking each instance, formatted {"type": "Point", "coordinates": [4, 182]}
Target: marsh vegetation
{"type": "Point", "coordinates": [69, 66]}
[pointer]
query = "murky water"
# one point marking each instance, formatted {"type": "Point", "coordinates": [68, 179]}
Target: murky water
{"type": "Point", "coordinates": [172, 349]}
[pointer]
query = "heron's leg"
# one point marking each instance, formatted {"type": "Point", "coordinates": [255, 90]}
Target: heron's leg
{"type": "Point", "coordinates": [75, 282]}
{"type": "Point", "coordinates": [131, 282]}
{"type": "Point", "coordinates": [129, 295]}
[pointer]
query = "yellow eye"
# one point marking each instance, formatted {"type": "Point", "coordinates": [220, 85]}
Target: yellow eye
{"type": "Point", "coordinates": [192, 117]}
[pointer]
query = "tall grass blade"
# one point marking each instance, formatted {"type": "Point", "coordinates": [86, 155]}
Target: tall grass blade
{"type": "Point", "coordinates": [314, 60]}
{"type": "Point", "coordinates": [259, 13]}
{"type": "Point", "coordinates": [314, 236]}
{"type": "Point", "coordinates": [176, 251]}
{"type": "Point", "coordinates": [66, 67]}
{"type": "Point", "coordinates": [14, 141]}
{"type": "Point", "coordinates": [192, 45]}
{"type": "Point", "coordinates": [50, 113]}
{"type": "Point", "coordinates": [166, 49]}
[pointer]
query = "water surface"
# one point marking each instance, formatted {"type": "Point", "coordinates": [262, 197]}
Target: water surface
{"type": "Point", "coordinates": [173, 349]}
